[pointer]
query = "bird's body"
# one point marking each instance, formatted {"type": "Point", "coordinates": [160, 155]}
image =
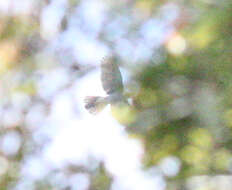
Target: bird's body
{"type": "Point", "coordinates": [112, 84]}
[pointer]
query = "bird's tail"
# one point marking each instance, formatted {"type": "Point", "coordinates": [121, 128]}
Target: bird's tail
{"type": "Point", "coordinates": [95, 104]}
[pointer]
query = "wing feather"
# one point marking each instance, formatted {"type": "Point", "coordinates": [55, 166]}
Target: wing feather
{"type": "Point", "coordinates": [111, 76]}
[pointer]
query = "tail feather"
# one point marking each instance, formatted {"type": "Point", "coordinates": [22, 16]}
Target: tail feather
{"type": "Point", "coordinates": [95, 104]}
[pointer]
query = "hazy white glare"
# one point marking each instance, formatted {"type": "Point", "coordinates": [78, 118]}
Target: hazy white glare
{"type": "Point", "coordinates": [20, 100]}
{"type": "Point", "coordinates": [117, 28]}
{"type": "Point", "coordinates": [22, 6]}
{"type": "Point", "coordinates": [139, 180]}
{"type": "Point", "coordinates": [34, 168]}
{"type": "Point", "coordinates": [93, 13]}
{"type": "Point", "coordinates": [51, 18]}
{"type": "Point", "coordinates": [170, 166]}
{"type": "Point", "coordinates": [35, 116]}
{"type": "Point", "coordinates": [170, 12]}
{"type": "Point", "coordinates": [124, 156]}
{"type": "Point", "coordinates": [88, 50]}
{"type": "Point", "coordinates": [11, 117]}
{"type": "Point", "coordinates": [10, 143]}
{"type": "Point", "coordinates": [79, 181]}
{"type": "Point", "coordinates": [176, 45]}
{"type": "Point", "coordinates": [5, 5]}
{"type": "Point", "coordinates": [155, 32]}
{"type": "Point", "coordinates": [51, 81]}
{"type": "Point", "coordinates": [100, 137]}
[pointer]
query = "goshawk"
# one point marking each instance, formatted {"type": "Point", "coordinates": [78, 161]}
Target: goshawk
{"type": "Point", "coordinates": [111, 79]}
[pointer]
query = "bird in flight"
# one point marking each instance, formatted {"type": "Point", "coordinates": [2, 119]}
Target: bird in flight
{"type": "Point", "coordinates": [111, 79]}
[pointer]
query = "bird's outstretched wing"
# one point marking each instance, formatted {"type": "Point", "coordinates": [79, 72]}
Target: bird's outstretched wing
{"type": "Point", "coordinates": [111, 76]}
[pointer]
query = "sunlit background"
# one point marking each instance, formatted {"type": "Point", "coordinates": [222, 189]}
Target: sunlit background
{"type": "Point", "coordinates": [176, 63]}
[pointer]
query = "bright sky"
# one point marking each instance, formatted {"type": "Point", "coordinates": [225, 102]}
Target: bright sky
{"type": "Point", "coordinates": [99, 136]}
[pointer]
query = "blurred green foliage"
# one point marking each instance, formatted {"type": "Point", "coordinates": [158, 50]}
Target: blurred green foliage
{"type": "Point", "coordinates": [200, 78]}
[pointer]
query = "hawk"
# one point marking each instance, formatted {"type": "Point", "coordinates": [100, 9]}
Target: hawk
{"type": "Point", "coordinates": [111, 79]}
